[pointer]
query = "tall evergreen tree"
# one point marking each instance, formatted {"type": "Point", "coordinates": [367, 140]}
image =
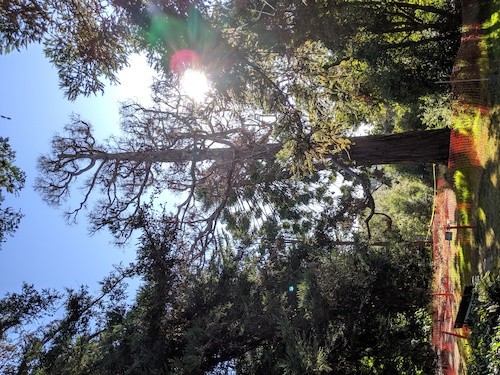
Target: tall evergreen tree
{"type": "Point", "coordinates": [290, 105]}
{"type": "Point", "coordinates": [217, 162]}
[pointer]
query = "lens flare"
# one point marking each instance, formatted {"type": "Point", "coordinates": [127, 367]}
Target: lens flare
{"type": "Point", "coordinates": [184, 59]}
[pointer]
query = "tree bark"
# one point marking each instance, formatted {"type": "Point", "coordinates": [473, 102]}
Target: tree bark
{"type": "Point", "coordinates": [430, 146]}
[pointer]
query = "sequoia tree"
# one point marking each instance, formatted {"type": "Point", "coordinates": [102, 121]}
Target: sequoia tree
{"type": "Point", "coordinates": [216, 159]}
{"type": "Point", "coordinates": [271, 116]}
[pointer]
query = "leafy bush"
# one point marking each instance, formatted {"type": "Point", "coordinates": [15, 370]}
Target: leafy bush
{"type": "Point", "coordinates": [436, 110]}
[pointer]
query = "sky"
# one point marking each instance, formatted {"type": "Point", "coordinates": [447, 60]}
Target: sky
{"type": "Point", "coordinates": [46, 251]}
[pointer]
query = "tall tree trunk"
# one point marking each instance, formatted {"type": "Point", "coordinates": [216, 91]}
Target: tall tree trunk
{"type": "Point", "coordinates": [429, 146]}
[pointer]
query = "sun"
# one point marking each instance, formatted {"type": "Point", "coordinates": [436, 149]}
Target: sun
{"type": "Point", "coordinates": [194, 83]}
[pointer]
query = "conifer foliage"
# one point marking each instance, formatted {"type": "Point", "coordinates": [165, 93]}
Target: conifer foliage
{"type": "Point", "coordinates": [315, 309]}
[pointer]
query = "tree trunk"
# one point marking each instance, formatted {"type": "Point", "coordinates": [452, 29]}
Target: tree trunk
{"type": "Point", "coordinates": [430, 146]}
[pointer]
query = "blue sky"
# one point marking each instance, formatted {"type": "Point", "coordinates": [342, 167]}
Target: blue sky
{"type": "Point", "coordinates": [46, 251]}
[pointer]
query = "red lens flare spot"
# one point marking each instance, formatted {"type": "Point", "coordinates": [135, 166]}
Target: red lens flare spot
{"type": "Point", "coordinates": [184, 59]}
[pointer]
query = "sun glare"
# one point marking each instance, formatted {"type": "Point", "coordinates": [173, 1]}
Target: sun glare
{"type": "Point", "coordinates": [194, 83]}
